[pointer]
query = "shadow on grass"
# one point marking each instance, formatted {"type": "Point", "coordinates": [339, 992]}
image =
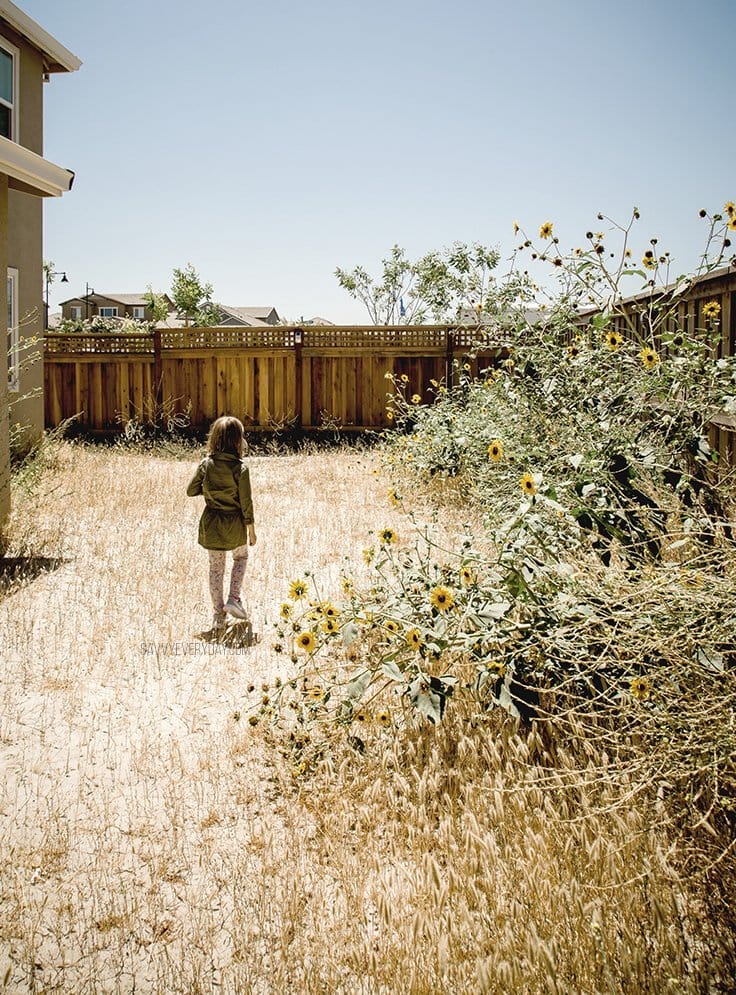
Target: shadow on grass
{"type": "Point", "coordinates": [18, 571]}
{"type": "Point", "coordinates": [236, 636]}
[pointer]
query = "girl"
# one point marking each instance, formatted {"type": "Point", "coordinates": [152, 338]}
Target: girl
{"type": "Point", "coordinates": [227, 520]}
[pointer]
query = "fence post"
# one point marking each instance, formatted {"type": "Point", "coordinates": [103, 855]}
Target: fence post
{"type": "Point", "coordinates": [449, 356]}
{"type": "Point", "coordinates": [298, 396]}
{"type": "Point", "coordinates": [157, 367]}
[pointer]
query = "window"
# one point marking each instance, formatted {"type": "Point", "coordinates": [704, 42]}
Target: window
{"type": "Point", "coordinates": [75, 312]}
{"type": "Point", "coordinates": [139, 312]}
{"type": "Point", "coordinates": [108, 312]}
{"type": "Point", "coordinates": [8, 90]}
{"type": "Point", "coordinates": [13, 331]}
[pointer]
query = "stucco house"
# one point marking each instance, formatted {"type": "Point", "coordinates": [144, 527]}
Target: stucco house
{"type": "Point", "coordinates": [95, 305]}
{"type": "Point", "coordinates": [28, 58]}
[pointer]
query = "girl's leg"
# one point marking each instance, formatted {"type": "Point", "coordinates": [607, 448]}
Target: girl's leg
{"type": "Point", "coordinates": [240, 562]}
{"type": "Point", "coordinates": [217, 574]}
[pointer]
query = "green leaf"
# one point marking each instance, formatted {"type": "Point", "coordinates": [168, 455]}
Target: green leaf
{"type": "Point", "coordinates": [391, 670]}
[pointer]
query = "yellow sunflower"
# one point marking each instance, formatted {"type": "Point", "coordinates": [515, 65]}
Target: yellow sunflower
{"type": "Point", "coordinates": [527, 484]}
{"type": "Point", "coordinates": [414, 638]}
{"type": "Point", "coordinates": [389, 414]}
{"type": "Point", "coordinates": [404, 378]}
{"type": "Point", "coordinates": [368, 554]}
{"type": "Point", "coordinates": [347, 586]}
{"type": "Point", "coordinates": [732, 223]}
{"type": "Point", "coordinates": [442, 599]}
{"type": "Point", "coordinates": [298, 589]}
{"type": "Point", "coordinates": [286, 610]}
{"type": "Point", "coordinates": [467, 577]}
{"type": "Point", "coordinates": [330, 625]}
{"type": "Point", "coordinates": [711, 310]}
{"type": "Point", "coordinates": [391, 625]}
{"type": "Point", "coordinates": [546, 230]}
{"type": "Point", "coordinates": [495, 450]}
{"type": "Point", "coordinates": [306, 641]}
{"type": "Point", "coordinates": [387, 537]}
{"type": "Point", "coordinates": [649, 260]}
{"type": "Point", "coordinates": [730, 208]}
{"type": "Point", "coordinates": [314, 694]}
{"type": "Point", "coordinates": [641, 688]}
{"type": "Point", "coordinates": [362, 715]}
{"type": "Point", "coordinates": [649, 358]}
{"type": "Point", "coordinates": [613, 340]}
{"type": "Point", "coordinates": [416, 398]}
{"type": "Point", "coordinates": [497, 667]}
{"type": "Point", "coordinates": [383, 718]}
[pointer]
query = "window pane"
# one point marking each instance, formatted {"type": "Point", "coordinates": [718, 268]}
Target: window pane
{"type": "Point", "coordinates": [6, 76]}
{"type": "Point", "coordinates": [4, 121]}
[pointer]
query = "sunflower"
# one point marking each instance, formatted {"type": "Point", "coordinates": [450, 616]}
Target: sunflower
{"type": "Point", "coordinates": [546, 230]}
{"type": "Point", "coordinates": [613, 340]}
{"type": "Point", "coordinates": [330, 625]}
{"type": "Point", "coordinates": [711, 310]}
{"type": "Point", "coordinates": [389, 414]}
{"type": "Point", "coordinates": [497, 667]}
{"type": "Point", "coordinates": [306, 641]}
{"type": "Point", "coordinates": [347, 586]}
{"type": "Point", "coordinates": [527, 484]}
{"type": "Point", "coordinates": [368, 554]}
{"type": "Point", "coordinates": [388, 375]}
{"type": "Point", "coordinates": [649, 260]}
{"type": "Point", "coordinates": [641, 688]}
{"type": "Point", "coordinates": [495, 450]}
{"type": "Point", "coordinates": [314, 694]}
{"type": "Point", "coordinates": [467, 577]}
{"type": "Point", "coordinates": [730, 208]}
{"type": "Point", "coordinates": [442, 599]}
{"type": "Point", "coordinates": [362, 715]}
{"type": "Point", "coordinates": [286, 610]}
{"type": "Point", "coordinates": [516, 227]}
{"type": "Point", "coordinates": [416, 398]}
{"type": "Point", "coordinates": [627, 254]}
{"type": "Point", "coordinates": [404, 378]}
{"type": "Point", "coordinates": [573, 351]}
{"type": "Point", "coordinates": [732, 223]}
{"type": "Point", "coordinates": [414, 638]}
{"type": "Point", "coordinates": [387, 537]}
{"type": "Point", "coordinates": [329, 610]}
{"type": "Point", "coordinates": [649, 358]}
{"type": "Point", "coordinates": [383, 718]}
{"type": "Point", "coordinates": [298, 589]}
{"type": "Point", "coordinates": [394, 496]}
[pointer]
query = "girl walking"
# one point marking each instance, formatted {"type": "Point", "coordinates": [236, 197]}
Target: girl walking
{"type": "Point", "coordinates": [227, 520]}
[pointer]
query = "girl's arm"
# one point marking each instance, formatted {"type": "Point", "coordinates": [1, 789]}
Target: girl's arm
{"type": "Point", "coordinates": [195, 484]}
{"type": "Point", "coordinates": [244, 495]}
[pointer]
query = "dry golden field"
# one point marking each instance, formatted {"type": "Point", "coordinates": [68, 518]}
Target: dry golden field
{"type": "Point", "coordinates": [151, 840]}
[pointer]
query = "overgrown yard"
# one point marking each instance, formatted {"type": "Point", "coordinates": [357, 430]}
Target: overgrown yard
{"type": "Point", "coordinates": [153, 840]}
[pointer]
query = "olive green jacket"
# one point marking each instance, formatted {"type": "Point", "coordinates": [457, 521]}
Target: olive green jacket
{"type": "Point", "coordinates": [224, 481]}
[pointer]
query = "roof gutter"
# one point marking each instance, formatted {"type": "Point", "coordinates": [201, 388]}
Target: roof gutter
{"type": "Point", "coordinates": [31, 173]}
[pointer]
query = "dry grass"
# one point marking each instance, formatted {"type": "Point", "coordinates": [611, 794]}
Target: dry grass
{"type": "Point", "coordinates": [152, 842]}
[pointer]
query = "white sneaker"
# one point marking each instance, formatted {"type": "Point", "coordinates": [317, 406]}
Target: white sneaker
{"type": "Point", "coordinates": [234, 607]}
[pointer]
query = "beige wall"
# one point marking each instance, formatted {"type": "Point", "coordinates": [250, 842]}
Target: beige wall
{"type": "Point", "coordinates": [4, 451]}
{"type": "Point", "coordinates": [25, 249]}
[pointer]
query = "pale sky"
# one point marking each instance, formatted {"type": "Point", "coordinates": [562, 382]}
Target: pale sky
{"type": "Point", "coordinates": [268, 143]}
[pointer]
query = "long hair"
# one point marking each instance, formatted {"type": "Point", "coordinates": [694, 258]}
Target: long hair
{"type": "Point", "coordinates": [226, 435]}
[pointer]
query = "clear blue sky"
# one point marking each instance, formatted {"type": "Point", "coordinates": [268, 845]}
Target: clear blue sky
{"type": "Point", "coordinates": [268, 143]}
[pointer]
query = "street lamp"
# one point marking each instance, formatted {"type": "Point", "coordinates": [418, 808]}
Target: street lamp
{"type": "Point", "coordinates": [50, 274]}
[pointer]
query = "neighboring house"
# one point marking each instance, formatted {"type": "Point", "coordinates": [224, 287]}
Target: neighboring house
{"type": "Point", "coordinates": [28, 56]}
{"type": "Point", "coordinates": [109, 306]}
{"type": "Point", "coordinates": [231, 317]}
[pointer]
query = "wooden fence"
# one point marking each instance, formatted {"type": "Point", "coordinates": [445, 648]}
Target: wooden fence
{"type": "Point", "coordinates": [683, 313]}
{"type": "Point", "coordinates": [268, 377]}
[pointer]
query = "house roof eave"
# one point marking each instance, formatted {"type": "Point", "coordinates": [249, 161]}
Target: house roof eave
{"type": "Point", "coordinates": [58, 59]}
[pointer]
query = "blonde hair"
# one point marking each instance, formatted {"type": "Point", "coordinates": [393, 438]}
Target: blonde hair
{"type": "Point", "coordinates": [226, 435]}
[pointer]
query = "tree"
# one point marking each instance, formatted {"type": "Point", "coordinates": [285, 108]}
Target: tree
{"type": "Point", "coordinates": [191, 297]}
{"type": "Point", "coordinates": [156, 303]}
{"type": "Point", "coordinates": [440, 286]}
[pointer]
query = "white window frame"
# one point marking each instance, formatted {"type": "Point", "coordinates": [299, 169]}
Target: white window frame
{"type": "Point", "coordinates": [139, 313]}
{"type": "Point", "coordinates": [14, 54]}
{"type": "Point", "coordinates": [13, 337]}
{"type": "Point", "coordinates": [102, 312]}
{"type": "Point", "coordinates": [75, 312]}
